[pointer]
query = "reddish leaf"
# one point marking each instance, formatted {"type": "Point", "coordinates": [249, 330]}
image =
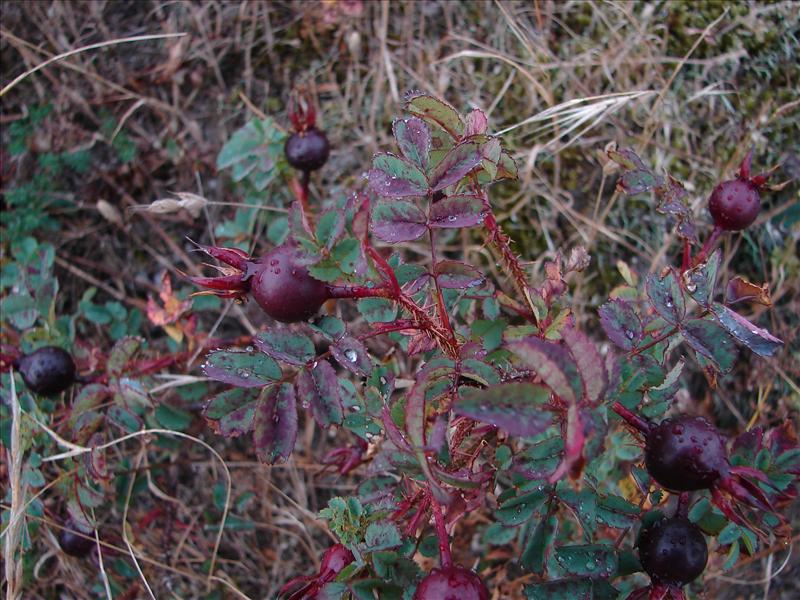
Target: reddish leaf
{"type": "Point", "coordinates": [457, 211]}
{"type": "Point", "coordinates": [231, 412]}
{"type": "Point", "coordinates": [621, 323]}
{"type": "Point", "coordinates": [666, 296]}
{"type": "Point", "coordinates": [275, 424]}
{"type": "Point", "coordinates": [456, 164]}
{"type": "Point", "coordinates": [242, 369]}
{"type": "Point", "coordinates": [452, 274]}
{"type": "Point", "coordinates": [414, 139]}
{"type": "Point", "coordinates": [286, 346]}
{"type": "Point", "coordinates": [352, 355]}
{"type": "Point", "coordinates": [553, 364]}
{"type": "Point", "coordinates": [396, 221]}
{"type": "Point", "coordinates": [712, 341]}
{"type": "Point", "coordinates": [590, 363]}
{"type": "Point", "coordinates": [394, 177]}
{"type": "Point", "coordinates": [437, 112]}
{"type": "Point", "coordinates": [319, 388]}
{"type": "Point", "coordinates": [759, 340]}
{"type": "Point", "coordinates": [516, 408]}
{"type": "Point", "coordinates": [476, 123]}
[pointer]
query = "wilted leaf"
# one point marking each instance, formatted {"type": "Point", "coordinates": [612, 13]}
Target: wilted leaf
{"type": "Point", "coordinates": [627, 159]}
{"type": "Point", "coordinates": [457, 211]}
{"type": "Point", "coordinates": [739, 290]}
{"type": "Point", "coordinates": [414, 139]}
{"type": "Point", "coordinates": [589, 361]}
{"type": "Point", "coordinates": [173, 307]}
{"type": "Point", "coordinates": [319, 388]}
{"type": "Point", "coordinates": [621, 323]}
{"type": "Point", "coordinates": [517, 408]}
{"type": "Point", "coordinates": [275, 424]}
{"type": "Point", "coordinates": [396, 221]}
{"type": "Point", "coordinates": [638, 181]}
{"type": "Point", "coordinates": [231, 412]}
{"type": "Point", "coordinates": [436, 111]}
{"type": "Point", "coordinates": [286, 346]}
{"type": "Point", "coordinates": [759, 340]}
{"type": "Point", "coordinates": [394, 177]}
{"type": "Point", "coordinates": [712, 341]}
{"type": "Point", "coordinates": [242, 369]}
{"type": "Point", "coordinates": [666, 296]}
{"type": "Point", "coordinates": [456, 164]}
{"type": "Point", "coordinates": [452, 274]}
{"type": "Point", "coordinates": [553, 363]}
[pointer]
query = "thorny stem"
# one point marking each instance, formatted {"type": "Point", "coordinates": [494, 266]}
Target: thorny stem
{"type": "Point", "coordinates": [502, 243]}
{"type": "Point", "coordinates": [443, 316]}
{"type": "Point", "coordinates": [708, 246]}
{"type": "Point", "coordinates": [358, 291]}
{"type": "Point", "coordinates": [441, 532]}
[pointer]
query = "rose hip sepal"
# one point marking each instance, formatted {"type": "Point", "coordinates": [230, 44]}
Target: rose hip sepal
{"type": "Point", "coordinates": [452, 583]}
{"type": "Point", "coordinates": [687, 453]}
{"type": "Point", "coordinates": [335, 559]}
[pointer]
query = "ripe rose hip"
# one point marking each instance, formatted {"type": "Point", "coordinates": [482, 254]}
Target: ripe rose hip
{"type": "Point", "coordinates": [686, 454]}
{"type": "Point", "coordinates": [47, 371]}
{"type": "Point", "coordinates": [452, 583]}
{"type": "Point", "coordinates": [673, 551]}
{"type": "Point", "coordinates": [74, 544]}
{"type": "Point", "coordinates": [284, 288]}
{"type": "Point", "coordinates": [735, 204]}
{"type": "Point", "coordinates": [307, 150]}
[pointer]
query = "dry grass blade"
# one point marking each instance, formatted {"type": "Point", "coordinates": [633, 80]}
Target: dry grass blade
{"type": "Point", "coordinates": [76, 450]}
{"type": "Point", "coordinates": [13, 568]}
{"type": "Point", "coordinates": [573, 114]}
{"type": "Point", "coordinates": [136, 38]}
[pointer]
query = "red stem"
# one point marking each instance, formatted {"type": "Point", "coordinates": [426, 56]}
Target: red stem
{"type": "Point", "coordinates": [384, 268]}
{"type": "Point", "coordinates": [441, 532]}
{"type": "Point", "coordinates": [443, 316]}
{"type": "Point", "coordinates": [634, 420]}
{"type": "Point", "coordinates": [687, 256]}
{"type": "Point", "coordinates": [682, 509]}
{"type": "Point", "coordinates": [708, 246]}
